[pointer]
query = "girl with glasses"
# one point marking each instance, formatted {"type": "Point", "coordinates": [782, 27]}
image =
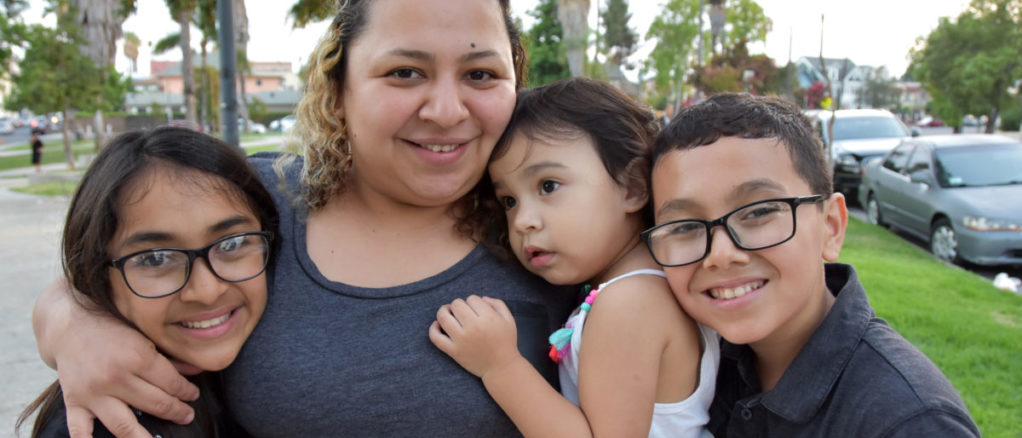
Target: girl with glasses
{"type": "Point", "coordinates": [170, 233]}
{"type": "Point", "coordinates": [572, 174]}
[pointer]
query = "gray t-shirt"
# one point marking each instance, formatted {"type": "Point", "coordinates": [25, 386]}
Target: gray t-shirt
{"type": "Point", "coordinates": [330, 359]}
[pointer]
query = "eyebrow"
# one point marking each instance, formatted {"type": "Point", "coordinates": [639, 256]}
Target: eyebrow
{"type": "Point", "coordinates": [426, 56]}
{"type": "Point", "coordinates": [159, 237]}
{"type": "Point", "coordinates": [743, 190]}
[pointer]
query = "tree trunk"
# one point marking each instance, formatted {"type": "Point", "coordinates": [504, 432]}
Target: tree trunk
{"type": "Point", "coordinates": [574, 15]}
{"type": "Point", "coordinates": [204, 97]}
{"type": "Point", "coordinates": [992, 121]}
{"type": "Point", "coordinates": [240, 21]}
{"type": "Point", "coordinates": [98, 127]}
{"type": "Point", "coordinates": [187, 72]}
{"type": "Point", "coordinates": [100, 23]}
{"type": "Point", "coordinates": [65, 130]}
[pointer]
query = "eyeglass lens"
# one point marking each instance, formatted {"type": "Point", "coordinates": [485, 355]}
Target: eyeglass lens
{"type": "Point", "coordinates": [755, 226]}
{"type": "Point", "coordinates": [163, 271]}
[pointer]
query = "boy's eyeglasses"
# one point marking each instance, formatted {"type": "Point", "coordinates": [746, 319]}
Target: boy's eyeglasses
{"type": "Point", "coordinates": [159, 272]}
{"type": "Point", "coordinates": [758, 225]}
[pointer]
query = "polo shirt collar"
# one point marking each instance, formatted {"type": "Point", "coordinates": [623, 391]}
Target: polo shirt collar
{"type": "Point", "coordinates": [805, 385]}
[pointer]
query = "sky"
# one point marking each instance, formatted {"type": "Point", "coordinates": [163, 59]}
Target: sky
{"type": "Point", "coordinates": [869, 32]}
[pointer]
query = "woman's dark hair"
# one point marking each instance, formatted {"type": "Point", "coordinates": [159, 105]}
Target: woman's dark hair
{"type": "Point", "coordinates": [748, 116]}
{"type": "Point", "coordinates": [94, 214]}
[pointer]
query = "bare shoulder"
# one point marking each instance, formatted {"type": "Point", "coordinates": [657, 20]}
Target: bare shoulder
{"type": "Point", "coordinates": [644, 303]}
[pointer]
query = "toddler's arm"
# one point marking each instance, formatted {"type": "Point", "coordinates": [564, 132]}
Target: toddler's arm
{"type": "Point", "coordinates": [104, 366]}
{"type": "Point", "coordinates": [479, 333]}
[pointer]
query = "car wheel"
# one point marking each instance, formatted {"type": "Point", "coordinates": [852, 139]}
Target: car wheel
{"type": "Point", "coordinates": [944, 241]}
{"type": "Point", "coordinates": [873, 211]}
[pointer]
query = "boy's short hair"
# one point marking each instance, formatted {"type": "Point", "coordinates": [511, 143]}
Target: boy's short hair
{"type": "Point", "coordinates": [747, 116]}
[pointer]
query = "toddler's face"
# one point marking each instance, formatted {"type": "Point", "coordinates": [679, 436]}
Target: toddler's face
{"type": "Point", "coordinates": [748, 296]}
{"type": "Point", "coordinates": [568, 220]}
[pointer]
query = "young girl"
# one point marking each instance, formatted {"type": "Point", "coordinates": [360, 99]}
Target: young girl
{"type": "Point", "coordinates": [169, 232]}
{"type": "Point", "coordinates": [572, 174]}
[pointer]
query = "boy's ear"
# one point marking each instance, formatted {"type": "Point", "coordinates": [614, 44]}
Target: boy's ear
{"type": "Point", "coordinates": [636, 185]}
{"type": "Point", "coordinates": [835, 217]}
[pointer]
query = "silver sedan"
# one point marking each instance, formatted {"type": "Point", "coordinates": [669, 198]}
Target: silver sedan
{"type": "Point", "coordinates": [962, 193]}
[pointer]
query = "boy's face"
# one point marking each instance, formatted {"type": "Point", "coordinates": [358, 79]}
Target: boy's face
{"type": "Point", "coordinates": [777, 293]}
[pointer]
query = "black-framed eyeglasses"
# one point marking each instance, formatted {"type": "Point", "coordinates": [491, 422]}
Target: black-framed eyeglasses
{"type": "Point", "coordinates": [159, 272]}
{"type": "Point", "coordinates": [759, 225]}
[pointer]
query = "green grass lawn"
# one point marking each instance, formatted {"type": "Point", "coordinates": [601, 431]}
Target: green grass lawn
{"type": "Point", "coordinates": [971, 330]}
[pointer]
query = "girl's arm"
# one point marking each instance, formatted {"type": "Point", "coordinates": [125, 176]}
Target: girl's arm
{"type": "Point", "coordinates": [104, 366]}
{"type": "Point", "coordinates": [479, 333]}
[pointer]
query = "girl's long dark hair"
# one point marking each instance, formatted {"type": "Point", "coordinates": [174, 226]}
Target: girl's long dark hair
{"type": "Point", "coordinates": [92, 220]}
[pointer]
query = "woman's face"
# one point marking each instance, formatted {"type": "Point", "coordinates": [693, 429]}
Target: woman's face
{"type": "Point", "coordinates": [430, 87]}
{"type": "Point", "coordinates": [206, 322]}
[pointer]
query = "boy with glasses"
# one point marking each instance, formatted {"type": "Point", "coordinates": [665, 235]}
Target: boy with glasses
{"type": "Point", "coordinates": [746, 218]}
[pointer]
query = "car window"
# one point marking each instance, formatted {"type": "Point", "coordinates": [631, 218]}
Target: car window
{"type": "Point", "coordinates": [852, 128]}
{"type": "Point", "coordinates": [920, 161]}
{"type": "Point", "coordinates": [979, 165]}
{"type": "Point", "coordinates": [898, 157]}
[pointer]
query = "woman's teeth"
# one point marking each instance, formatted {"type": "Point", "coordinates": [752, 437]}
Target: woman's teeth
{"type": "Point", "coordinates": [439, 147]}
{"type": "Point", "coordinates": [207, 323]}
{"type": "Point", "coordinates": [730, 293]}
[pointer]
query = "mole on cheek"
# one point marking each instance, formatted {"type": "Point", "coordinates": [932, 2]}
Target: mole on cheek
{"type": "Point", "coordinates": [473, 45]}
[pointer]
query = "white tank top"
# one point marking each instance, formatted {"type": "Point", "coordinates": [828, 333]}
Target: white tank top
{"type": "Point", "coordinates": [686, 418]}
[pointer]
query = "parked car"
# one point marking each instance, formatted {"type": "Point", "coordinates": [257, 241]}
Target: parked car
{"type": "Point", "coordinates": [6, 126]}
{"type": "Point", "coordinates": [859, 134]}
{"type": "Point", "coordinates": [961, 193]}
{"type": "Point", "coordinates": [930, 122]}
{"type": "Point", "coordinates": [283, 124]}
{"type": "Point", "coordinates": [255, 128]}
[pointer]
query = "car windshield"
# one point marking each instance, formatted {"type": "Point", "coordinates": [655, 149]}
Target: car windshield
{"type": "Point", "coordinates": [971, 166]}
{"type": "Point", "coordinates": [854, 128]}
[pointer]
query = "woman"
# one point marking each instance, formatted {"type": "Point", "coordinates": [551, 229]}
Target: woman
{"type": "Point", "coordinates": [405, 101]}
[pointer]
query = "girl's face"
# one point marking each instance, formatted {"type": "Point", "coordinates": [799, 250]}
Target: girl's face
{"type": "Point", "coordinates": [206, 322]}
{"type": "Point", "coordinates": [430, 87]}
{"type": "Point", "coordinates": [568, 220]}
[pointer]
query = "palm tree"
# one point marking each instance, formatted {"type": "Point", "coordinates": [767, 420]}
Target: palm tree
{"type": "Point", "coordinates": [131, 44]}
{"type": "Point", "coordinates": [99, 22]}
{"type": "Point", "coordinates": [183, 11]}
{"type": "Point", "coordinates": [241, 49]}
{"type": "Point", "coordinates": [573, 15]}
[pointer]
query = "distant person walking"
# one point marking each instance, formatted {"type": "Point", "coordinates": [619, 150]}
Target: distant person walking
{"type": "Point", "coordinates": [37, 151]}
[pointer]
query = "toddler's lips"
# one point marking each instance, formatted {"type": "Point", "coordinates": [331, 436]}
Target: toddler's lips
{"type": "Point", "coordinates": [538, 257]}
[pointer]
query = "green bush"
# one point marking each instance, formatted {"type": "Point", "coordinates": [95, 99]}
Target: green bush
{"type": "Point", "coordinates": [1011, 118]}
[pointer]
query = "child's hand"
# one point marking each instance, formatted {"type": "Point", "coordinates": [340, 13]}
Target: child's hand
{"type": "Point", "coordinates": [478, 332]}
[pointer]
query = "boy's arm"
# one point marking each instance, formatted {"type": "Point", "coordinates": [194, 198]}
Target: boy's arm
{"type": "Point", "coordinates": [104, 366]}
{"type": "Point", "coordinates": [479, 334]}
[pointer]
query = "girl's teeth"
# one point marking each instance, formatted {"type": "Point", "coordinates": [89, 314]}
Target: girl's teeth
{"type": "Point", "coordinates": [207, 323]}
{"type": "Point", "coordinates": [731, 293]}
{"type": "Point", "coordinates": [440, 147]}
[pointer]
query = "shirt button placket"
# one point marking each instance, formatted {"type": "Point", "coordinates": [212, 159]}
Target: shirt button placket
{"type": "Point", "coordinates": [746, 414]}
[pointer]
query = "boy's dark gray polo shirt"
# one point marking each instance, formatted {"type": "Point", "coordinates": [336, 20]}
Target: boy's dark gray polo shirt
{"type": "Point", "coordinates": [855, 377]}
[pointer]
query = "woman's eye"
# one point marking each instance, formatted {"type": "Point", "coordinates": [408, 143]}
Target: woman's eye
{"type": "Point", "coordinates": [155, 259]}
{"type": "Point", "coordinates": [548, 186]}
{"type": "Point", "coordinates": [405, 73]}
{"type": "Point", "coordinates": [231, 244]}
{"type": "Point", "coordinates": [508, 202]}
{"type": "Point", "coordinates": [480, 75]}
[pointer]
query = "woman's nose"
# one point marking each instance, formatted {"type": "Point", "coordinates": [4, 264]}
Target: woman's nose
{"type": "Point", "coordinates": [444, 104]}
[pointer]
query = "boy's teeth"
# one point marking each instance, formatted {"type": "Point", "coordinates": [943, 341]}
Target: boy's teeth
{"type": "Point", "coordinates": [731, 293]}
{"type": "Point", "coordinates": [440, 147]}
{"type": "Point", "coordinates": [207, 323]}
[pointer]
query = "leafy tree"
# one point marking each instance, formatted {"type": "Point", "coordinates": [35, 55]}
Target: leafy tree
{"type": "Point", "coordinates": [736, 70]}
{"type": "Point", "coordinates": [618, 38]}
{"type": "Point", "coordinates": [12, 31]}
{"type": "Point", "coordinates": [968, 64]}
{"type": "Point", "coordinates": [55, 76]}
{"type": "Point", "coordinates": [547, 62]}
{"type": "Point", "coordinates": [879, 91]}
{"type": "Point", "coordinates": [304, 12]}
{"type": "Point", "coordinates": [675, 31]}
{"type": "Point", "coordinates": [131, 45]}
{"type": "Point", "coordinates": [746, 22]}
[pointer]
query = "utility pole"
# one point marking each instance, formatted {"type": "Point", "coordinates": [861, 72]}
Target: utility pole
{"type": "Point", "coordinates": [228, 60]}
